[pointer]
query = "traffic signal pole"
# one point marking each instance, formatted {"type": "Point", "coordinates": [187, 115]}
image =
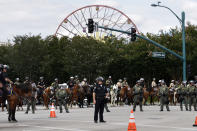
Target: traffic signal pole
{"type": "Point", "coordinates": [183, 58]}
{"type": "Point", "coordinates": [183, 45]}
{"type": "Point", "coordinates": [147, 39]}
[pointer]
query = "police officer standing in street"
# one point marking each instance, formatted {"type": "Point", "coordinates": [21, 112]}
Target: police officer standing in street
{"type": "Point", "coordinates": [32, 101]}
{"type": "Point", "coordinates": [108, 85]}
{"type": "Point", "coordinates": [182, 92]}
{"type": "Point", "coordinates": [163, 93]}
{"type": "Point", "coordinates": [138, 95]}
{"type": "Point", "coordinates": [99, 95]}
{"type": "Point", "coordinates": [192, 95]}
{"type": "Point", "coordinates": [62, 98]}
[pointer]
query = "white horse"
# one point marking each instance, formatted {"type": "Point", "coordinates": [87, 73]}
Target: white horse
{"type": "Point", "coordinates": [113, 93]}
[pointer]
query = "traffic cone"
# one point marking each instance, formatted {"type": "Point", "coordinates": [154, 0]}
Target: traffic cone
{"type": "Point", "coordinates": [52, 112]}
{"type": "Point", "coordinates": [195, 122]}
{"type": "Point", "coordinates": [132, 126]}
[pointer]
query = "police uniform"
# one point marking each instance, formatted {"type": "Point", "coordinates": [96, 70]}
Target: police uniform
{"type": "Point", "coordinates": [125, 83]}
{"type": "Point", "coordinates": [3, 75]}
{"type": "Point", "coordinates": [182, 92]}
{"type": "Point", "coordinates": [108, 84]}
{"type": "Point", "coordinates": [163, 93]}
{"type": "Point", "coordinates": [32, 102]}
{"type": "Point", "coordinates": [62, 99]}
{"type": "Point", "coordinates": [100, 94]}
{"type": "Point", "coordinates": [138, 96]}
{"type": "Point", "coordinates": [192, 97]}
{"type": "Point", "coordinates": [71, 83]}
{"type": "Point", "coordinates": [55, 85]}
{"type": "Point", "coordinates": [41, 87]}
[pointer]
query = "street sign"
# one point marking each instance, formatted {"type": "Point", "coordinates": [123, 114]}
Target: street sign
{"type": "Point", "coordinates": [158, 54]}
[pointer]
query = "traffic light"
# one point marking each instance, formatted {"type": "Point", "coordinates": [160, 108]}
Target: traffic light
{"type": "Point", "coordinates": [90, 25]}
{"type": "Point", "coordinates": [133, 34]}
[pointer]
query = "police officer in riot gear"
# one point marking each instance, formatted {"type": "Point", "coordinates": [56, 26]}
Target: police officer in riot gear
{"type": "Point", "coordinates": [182, 92]}
{"type": "Point", "coordinates": [138, 95]}
{"type": "Point", "coordinates": [71, 82]}
{"type": "Point", "coordinates": [108, 85]}
{"type": "Point", "coordinates": [99, 95]}
{"type": "Point", "coordinates": [192, 95]}
{"type": "Point", "coordinates": [163, 93]}
{"type": "Point", "coordinates": [41, 87]}
{"type": "Point", "coordinates": [4, 79]}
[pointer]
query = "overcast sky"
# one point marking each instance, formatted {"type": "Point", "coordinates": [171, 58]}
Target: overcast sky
{"type": "Point", "coordinates": [19, 17]}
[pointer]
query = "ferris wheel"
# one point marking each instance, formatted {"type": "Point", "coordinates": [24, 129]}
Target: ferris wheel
{"type": "Point", "coordinates": [75, 24]}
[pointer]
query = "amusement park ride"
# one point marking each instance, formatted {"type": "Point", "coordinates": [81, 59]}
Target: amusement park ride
{"type": "Point", "coordinates": [100, 21]}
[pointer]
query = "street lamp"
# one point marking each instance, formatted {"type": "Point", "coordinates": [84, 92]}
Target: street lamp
{"type": "Point", "coordinates": [182, 22]}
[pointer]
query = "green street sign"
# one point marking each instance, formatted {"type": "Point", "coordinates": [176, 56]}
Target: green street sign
{"type": "Point", "coordinates": [158, 54]}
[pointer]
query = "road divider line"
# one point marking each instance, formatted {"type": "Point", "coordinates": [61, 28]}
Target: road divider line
{"type": "Point", "coordinates": [168, 127]}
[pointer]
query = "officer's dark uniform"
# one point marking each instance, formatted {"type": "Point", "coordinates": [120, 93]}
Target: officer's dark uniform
{"type": "Point", "coordinates": [3, 75]}
{"type": "Point", "coordinates": [41, 87]}
{"type": "Point", "coordinates": [70, 84]}
{"type": "Point", "coordinates": [100, 93]}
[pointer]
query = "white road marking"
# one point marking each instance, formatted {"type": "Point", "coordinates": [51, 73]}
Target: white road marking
{"type": "Point", "coordinates": [53, 128]}
{"type": "Point", "coordinates": [168, 127]}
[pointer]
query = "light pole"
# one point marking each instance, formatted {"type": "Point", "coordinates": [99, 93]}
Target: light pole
{"type": "Point", "coordinates": [182, 22]}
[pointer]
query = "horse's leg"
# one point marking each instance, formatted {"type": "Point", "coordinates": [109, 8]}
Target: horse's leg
{"type": "Point", "coordinates": [3, 104]}
{"type": "Point", "coordinates": [13, 114]}
{"type": "Point", "coordinates": [9, 115]}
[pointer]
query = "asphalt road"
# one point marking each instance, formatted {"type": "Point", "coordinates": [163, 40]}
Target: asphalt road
{"type": "Point", "coordinates": [117, 120]}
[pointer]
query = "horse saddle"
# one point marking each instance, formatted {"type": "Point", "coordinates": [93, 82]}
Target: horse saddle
{"type": "Point", "coordinates": [10, 91]}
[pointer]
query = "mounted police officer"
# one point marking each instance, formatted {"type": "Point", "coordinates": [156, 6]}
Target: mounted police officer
{"type": "Point", "coordinates": [62, 98]}
{"type": "Point", "coordinates": [54, 87]}
{"type": "Point", "coordinates": [4, 79]}
{"type": "Point", "coordinates": [182, 92]}
{"type": "Point", "coordinates": [142, 83]}
{"type": "Point", "coordinates": [55, 84]}
{"type": "Point", "coordinates": [125, 83]}
{"type": "Point", "coordinates": [17, 81]}
{"type": "Point", "coordinates": [84, 83]}
{"type": "Point", "coordinates": [41, 83]}
{"type": "Point", "coordinates": [71, 83]}
{"type": "Point", "coordinates": [153, 85]}
{"type": "Point", "coordinates": [99, 95]}
{"type": "Point", "coordinates": [192, 95]}
{"type": "Point", "coordinates": [163, 93]}
{"type": "Point", "coordinates": [26, 80]}
{"type": "Point", "coordinates": [138, 95]}
{"type": "Point", "coordinates": [76, 80]}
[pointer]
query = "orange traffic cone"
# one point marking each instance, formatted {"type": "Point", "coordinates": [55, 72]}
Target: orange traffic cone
{"type": "Point", "coordinates": [52, 112]}
{"type": "Point", "coordinates": [132, 126]}
{"type": "Point", "coordinates": [195, 122]}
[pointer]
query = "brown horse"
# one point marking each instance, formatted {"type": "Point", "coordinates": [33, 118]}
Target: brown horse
{"type": "Point", "coordinates": [23, 90]}
{"type": "Point", "coordinates": [123, 94]}
{"type": "Point", "coordinates": [78, 95]}
{"type": "Point", "coordinates": [2, 100]}
{"type": "Point", "coordinates": [145, 95]}
{"type": "Point", "coordinates": [154, 94]}
{"type": "Point", "coordinates": [88, 93]}
{"type": "Point", "coordinates": [20, 104]}
{"type": "Point", "coordinates": [12, 103]}
{"type": "Point", "coordinates": [129, 95]}
{"type": "Point", "coordinates": [47, 94]}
